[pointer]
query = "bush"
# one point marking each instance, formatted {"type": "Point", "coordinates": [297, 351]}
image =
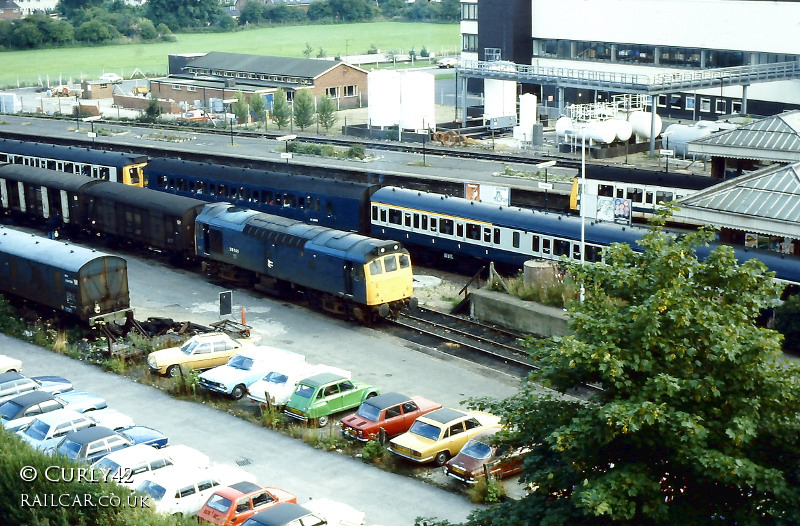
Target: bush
{"type": "Point", "coordinates": [356, 151]}
{"type": "Point", "coordinates": [374, 451]}
{"type": "Point", "coordinates": [487, 492]}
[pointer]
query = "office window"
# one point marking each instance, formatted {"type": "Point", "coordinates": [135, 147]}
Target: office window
{"type": "Point", "coordinates": [469, 42]}
{"type": "Point", "coordinates": [705, 104]}
{"type": "Point", "coordinates": [469, 11]}
{"type": "Point", "coordinates": [690, 102]}
{"type": "Point", "coordinates": [722, 105]}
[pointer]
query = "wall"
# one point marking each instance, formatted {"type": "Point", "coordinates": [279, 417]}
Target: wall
{"type": "Point", "coordinates": [525, 316]}
{"type": "Point", "coordinates": [340, 76]}
{"type": "Point", "coordinates": [141, 103]}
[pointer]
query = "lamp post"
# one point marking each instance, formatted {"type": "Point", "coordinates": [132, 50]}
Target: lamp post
{"type": "Point", "coordinates": [230, 102]}
{"type": "Point", "coordinates": [667, 153]}
{"type": "Point", "coordinates": [77, 112]}
{"type": "Point", "coordinates": [582, 132]}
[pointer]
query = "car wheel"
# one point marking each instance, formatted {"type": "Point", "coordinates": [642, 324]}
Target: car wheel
{"type": "Point", "coordinates": [173, 371]}
{"type": "Point", "coordinates": [372, 395]}
{"type": "Point", "coordinates": [238, 392]}
{"type": "Point", "coordinates": [441, 458]}
{"type": "Point", "coordinates": [322, 421]}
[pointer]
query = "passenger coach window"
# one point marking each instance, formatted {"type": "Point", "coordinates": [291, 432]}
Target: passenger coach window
{"type": "Point", "coordinates": [594, 254]}
{"type": "Point", "coordinates": [266, 197]}
{"type": "Point", "coordinates": [446, 227]}
{"type": "Point", "coordinates": [635, 195]}
{"type": "Point", "coordinates": [663, 197]}
{"type": "Point", "coordinates": [395, 216]}
{"type": "Point", "coordinates": [561, 247]}
{"type": "Point", "coordinates": [383, 215]}
{"type": "Point", "coordinates": [424, 222]}
{"type": "Point", "coordinates": [460, 230]}
{"type": "Point", "coordinates": [390, 263]}
{"type": "Point", "coordinates": [515, 240]}
{"type": "Point", "coordinates": [106, 174]}
{"type": "Point", "coordinates": [407, 219]}
{"type": "Point", "coordinates": [545, 246]}
{"type": "Point", "coordinates": [648, 198]}
{"type": "Point", "coordinates": [416, 220]}
{"type": "Point", "coordinates": [374, 213]}
{"type": "Point", "coordinates": [535, 244]}
{"type": "Point", "coordinates": [473, 231]}
{"type": "Point", "coordinates": [496, 239]}
{"type": "Point", "coordinates": [605, 190]}
{"type": "Point", "coordinates": [375, 268]}
{"type": "Point", "coordinates": [487, 235]}
{"type": "Point", "coordinates": [433, 224]}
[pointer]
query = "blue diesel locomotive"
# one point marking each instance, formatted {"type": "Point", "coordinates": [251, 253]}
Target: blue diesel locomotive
{"type": "Point", "coordinates": [341, 272]}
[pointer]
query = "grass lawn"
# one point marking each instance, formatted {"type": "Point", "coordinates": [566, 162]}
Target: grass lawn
{"type": "Point", "coordinates": [26, 67]}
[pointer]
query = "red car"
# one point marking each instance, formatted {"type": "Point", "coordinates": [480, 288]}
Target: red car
{"type": "Point", "coordinates": [393, 412]}
{"type": "Point", "coordinates": [468, 465]}
{"type": "Point", "coordinates": [235, 504]}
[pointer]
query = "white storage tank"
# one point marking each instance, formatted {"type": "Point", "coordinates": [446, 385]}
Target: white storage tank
{"type": "Point", "coordinates": [563, 124]}
{"type": "Point", "coordinates": [384, 98]}
{"type": "Point", "coordinates": [603, 132]}
{"type": "Point", "coordinates": [641, 123]}
{"type": "Point", "coordinates": [417, 99]}
{"type": "Point", "coordinates": [527, 110]}
{"type": "Point", "coordinates": [624, 129]}
{"type": "Point", "coordinates": [677, 136]}
{"type": "Point", "coordinates": [500, 98]}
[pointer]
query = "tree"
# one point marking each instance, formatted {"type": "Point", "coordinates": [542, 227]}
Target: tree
{"type": "Point", "coordinates": [253, 12]}
{"type": "Point", "coordinates": [240, 108]}
{"type": "Point", "coordinates": [393, 8]}
{"type": "Point", "coordinates": [697, 422]}
{"type": "Point", "coordinates": [257, 107]}
{"type": "Point", "coordinates": [303, 109]}
{"type": "Point", "coordinates": [308, 50]}
{"type": "Point", "coordinates": [451, 10]}
{"type": "Point", "coordinates": [326, 112]}
{"type": "Point", "coordinates": [281, 112]}
{"type": "Point", "coordinates": [352, 10]}
{"type": "Point", "coordinates": [152, 112]}
{"type": "Point", "coordinates": [178, 14]}
{"type": "Point", "coordinates": [95, 31]}
{"type": "Point", "coordinates": [787, 322]}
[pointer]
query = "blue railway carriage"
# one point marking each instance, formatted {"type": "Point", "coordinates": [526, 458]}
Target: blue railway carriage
{"type": "Point", "coordinates": [446, 227]}
{"type": "Point", "coordinates": [645, 189]}
{"type": "Point", "coordinates": [84, 283]}
{"type": "Point", "coordinates": [325, 202]}
{"type": "Point", "coordinates": [340, 272]}
{"type": "Point", "coordinates": [109, 166]}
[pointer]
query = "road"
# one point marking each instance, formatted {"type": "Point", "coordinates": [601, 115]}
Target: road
{"type": "Point", "coordinates": [390, 363]}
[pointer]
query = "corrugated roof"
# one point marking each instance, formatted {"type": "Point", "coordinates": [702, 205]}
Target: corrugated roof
{"type": "Point", "coordinates": [776, 133]}
{"type": "Point", "coordinates": [288, 66]}
{"type": "Point", "coordinates": [772, 193]}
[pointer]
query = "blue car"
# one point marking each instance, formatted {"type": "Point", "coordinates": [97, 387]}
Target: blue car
{"type": "Point", "coordinates": [18, 412]}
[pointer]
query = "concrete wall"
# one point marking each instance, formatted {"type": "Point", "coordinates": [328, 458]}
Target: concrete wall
{"type": "Point", "coordinates": [527, 316]}
{"type": "Point", "coordinates": [141, 103]}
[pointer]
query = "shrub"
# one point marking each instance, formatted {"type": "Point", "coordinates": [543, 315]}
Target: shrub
{"type": "Point", "coordinates": [487, 491]}
{"type": "Point", "coordinates": [272, 418]}
{"type": "Point", "coordinates": [356, 151]}
{"type": "Point", "coordinates": [374, 451]}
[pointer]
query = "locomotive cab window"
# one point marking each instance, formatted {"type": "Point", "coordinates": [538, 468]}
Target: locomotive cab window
{"type": "Point", "coordinates": [390, 263]}
{"type": "Point", "coordinates": [375, 268]}
{"type": "Point", "coordinates": [605, 190]}
{"type": "Point", "coordinates": [405, 261]}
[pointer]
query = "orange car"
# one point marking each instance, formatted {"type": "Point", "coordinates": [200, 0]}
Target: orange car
{"type": "Point", "coordinates": [234, 504]}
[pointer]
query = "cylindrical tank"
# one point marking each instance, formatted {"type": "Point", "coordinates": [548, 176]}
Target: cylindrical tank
{"type": "Point", "coordinates": [603, 132]}
{"type": "Point", "coordinates": [641, 122]}
{"type": "Point", "coordinates": [527, 110]}
{"type": "Point", "coordinates": [500, 98]}
{"type": "Point", "coordinates": [624, 129]}
{"type": "Point", "coordinates": [677, 136]}
{"type": "Point", "coordinates": [417, 101]}
{"type": "Point", "coordinates": [563, 124]}
{"type": "Point", "coordinates": [384, 98]}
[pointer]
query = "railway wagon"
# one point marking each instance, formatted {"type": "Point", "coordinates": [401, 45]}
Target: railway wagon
{"type": "Point", "coordinates": [110, 166]}
{"type": "Point", "coordinates": [325, 202]}
{"type": "Point", "coordinates": [341, 272]}
{"type": "Point", "coordinates": [645, 188]}
{"type": "Point", "coordinates": [89, 285]}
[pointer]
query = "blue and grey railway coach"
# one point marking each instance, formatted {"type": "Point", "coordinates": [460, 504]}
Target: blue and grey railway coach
{"type": "Point", "coordinates": [342, 272]}
{"type": "Point", "coordinates": [326, 202]}
{"type": "Point", "coordinates": [451, 227]}
{"type": "Point", "coordinates": [84, 283]}
{"type": "Point", "coordinates": [109, 166]}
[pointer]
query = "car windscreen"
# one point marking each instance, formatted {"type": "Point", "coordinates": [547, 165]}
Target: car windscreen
{"type": "Point", "coordinates": [69, 448]}
{"type": "Point", "coordinates": [189, 346]}
{"type": "Point", "coordinates": [38, 430]}
{"type": "Point", "coordinates": [276, 378]}
{"type": "Point", "coordinates": [425, 430]}
{"type": "Point", "coordinates": [219, 503]}
{"type": "Point", "coordinates": [476, 449]}
{"type": "Point", "coordinates": [10, 410]}
{"type": "Point", "coordinates": [151, 488]}
{"type": "Point", "coordinates": [241, 362]}
{"type": "Point", "coordinates": [370, 412]}
{"type": "Point", "coordinates": [304, 391]}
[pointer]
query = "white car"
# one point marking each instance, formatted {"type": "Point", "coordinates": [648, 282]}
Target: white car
{"type": "Point", "coordinates": [336, 513]}
{"type": "Point", "coordinates": [244, 368]}
{"type": "Point", "coordinates": [16, 413]}
{"type": "Point", "coordinates": [130, 466]}
{"type": "Point", "coordinates": [277, 386]}
{"type": "Point", "coordinates": [8, 363]}
{"type": "Point", "coordinates": [184, 490]}
{"type": "Point", "coordinates": [447, 62]}
{"type": "Point", "coordinates": [113, 78]}
{"type": "Point", "coordinates": [48, 429]}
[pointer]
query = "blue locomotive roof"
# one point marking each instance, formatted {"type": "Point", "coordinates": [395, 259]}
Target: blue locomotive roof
{"type": "Point", "coordinates": [225, 215]}
{"type": "Point", "coordinates": [48, 178]}
{"type": "Point", "coordinates": [57, 254]}
{"type": "Point", "coordinates": [545, 223]}
{"type": "Point", "coordinates": [235, 176]}
{"type": "Point", "coordinates": [70, 153]}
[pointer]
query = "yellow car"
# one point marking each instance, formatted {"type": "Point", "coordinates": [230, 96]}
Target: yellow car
{"type": "Point", "coordinates": [198, 352]}
{"type": "Point", "coordinates": [441, 434]}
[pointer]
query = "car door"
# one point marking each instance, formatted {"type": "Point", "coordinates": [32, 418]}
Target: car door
{"type": "Point", "coordinates": [96, 449]}
{"type": "Point", "coordinates": [409, 415]}
{"type": "Point", "coordinates": [185, 497]}
{"type": "Point", "coordinates": [201, 356]}
{"type": "Point", "coordinates": [328, 400]}
{"type": "Point", "coordinates": [349, 396]}
{"type": "Point", "coordinates": [393, 420]}
{"type": "Point", "coordinates": [456, 438]}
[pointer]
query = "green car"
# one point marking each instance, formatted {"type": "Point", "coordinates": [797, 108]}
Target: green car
{"type": "Point", "coordinates": [318, 397]}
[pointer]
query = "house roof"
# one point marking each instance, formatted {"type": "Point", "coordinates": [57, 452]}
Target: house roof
{"type": "Point", "coordinates": [8, 4]}
{"type": "Point", "coordinates": [775, 138]}
{"type": "Point", "coordinates": [288, 66]}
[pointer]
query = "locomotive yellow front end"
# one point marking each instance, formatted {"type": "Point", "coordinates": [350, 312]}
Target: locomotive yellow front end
{"type": "Point", "coordinates": [389, 283]}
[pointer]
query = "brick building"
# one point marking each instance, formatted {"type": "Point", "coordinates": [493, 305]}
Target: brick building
{"type": "Point", "coordinates": [203, 81]}
{"type": "Point", "coordinates": [9, 10]}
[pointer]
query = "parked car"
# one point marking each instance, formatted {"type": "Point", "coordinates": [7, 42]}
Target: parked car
{"type": "Point", "coordinates": [286, 514]}
{"type": "Point", "coordinates": [318, 397]}
{"type": "Point", "coordinates": [47, 430]}
{"type": "Point", "coordinates": [277, 386]}
{"type": "Point", "coordinates": [232, 505]}
{"type": "Point", "coordinates": [392, 412]}
{"type": "Point", "coordinates": [111, 77]}
{"type": "Point", "coordinates": [441, 434]}
{"type": "Point", "coordinates": [145, 435]}
{"type": "Point", "coordinates": [15, 383]}
{"type": "Point", "coordinates": [184, 490]}
{"type": "Point", "coordinates": [468, 465]}
{"type": "Point", "coordinates": [111, 418]}
{"type": "Point", "coordinates": [447, 62]}
{"type": "Point", "coordinates": [8, 363]}
{"type": "Point", "coordinates": [202, 351]}
{"type": "Point", "coordinates": [20, 411]}
{"type": "Point", "coordinates": [90, 444]}
{"type": "Point", "coordinates": [244, 368]}
{"type": "Point", "coordinates": [131, 465]}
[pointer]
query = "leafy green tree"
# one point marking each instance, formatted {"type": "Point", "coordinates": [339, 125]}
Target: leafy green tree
{"type": "Point", "coordinates": [451, 10]}
{"type": "Point", "coordinates": [27, 35]}
{"type": "Point", "coordinates": [308, 50]}
{"type": "Point", "coordinates": [225, 22]}
{"type": "Point", "coordinates": [95, 31]}
{"type": "Point", "coordinates": [353, 10]}
{"type": "Point", "coordinates": [284, 14]}
{"type": "Point", "coordinates": [147, 31]}
{"type": "Point", "coordinates": [165, 33]}
{"type": "Point", "coordinates": [303, 109]}
{"type": "Point", "coordinates": [281, 112]}
{"type": "Point", "coordinates": [257, 107]}
{"type": "Point", "coordinates": [320, 11]}
{"type": "Point", "coordinates": [152, 112]}
{"type": "Point", "coordinates": [240, 108]}
{"type": "Point", "coordinates": [253, 12]}
{"type": "Point", "coordinates": [67, 8]}
{"type": "Point", "coordinates": [326, 112]}
{"type": "Point", "coordinates": [322, 53]}
{"type": "Point", "coordinates": [419, 11]}
{"type": "Point", "coordinates": [394, 8]}
{"type": "Point", "coordinates": [179, 14]}
{"type": "Point", "coordinates": [697, 422]}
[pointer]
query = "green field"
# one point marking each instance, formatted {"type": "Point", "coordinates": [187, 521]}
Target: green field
{"type": "Point", "coordinates": [26, 67]}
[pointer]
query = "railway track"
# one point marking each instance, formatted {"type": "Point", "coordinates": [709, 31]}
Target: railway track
{"type": "Point", "coordinates": [471, 340]}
